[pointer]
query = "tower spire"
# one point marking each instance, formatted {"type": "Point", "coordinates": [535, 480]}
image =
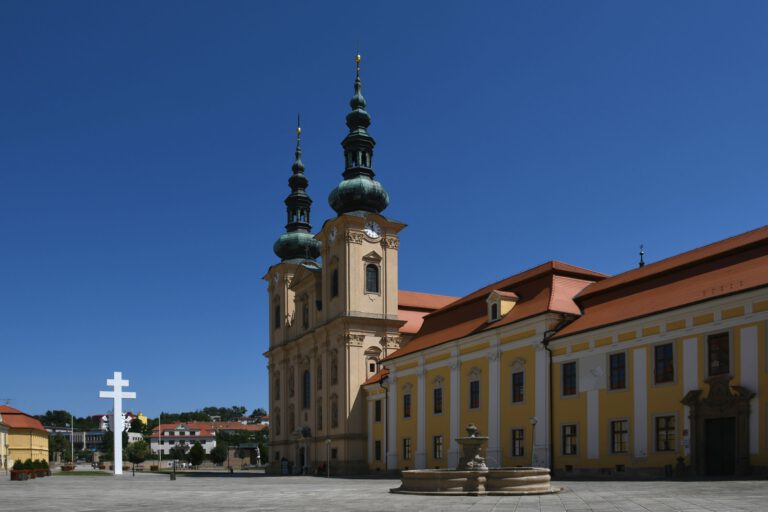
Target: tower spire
{"type": "Point", "coordinates": [642, 254]}
{"type": "Point", "coordinates": [297, 243]}
{"type": "Point", "coordinates": [359, 191]}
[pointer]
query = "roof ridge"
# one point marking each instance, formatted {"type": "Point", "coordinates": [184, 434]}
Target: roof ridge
{"type": "Point", "coordinates": [647, 271]}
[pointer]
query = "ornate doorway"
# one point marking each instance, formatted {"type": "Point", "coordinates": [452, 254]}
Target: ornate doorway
{"type": "Point", "coordinates": [719, 428]}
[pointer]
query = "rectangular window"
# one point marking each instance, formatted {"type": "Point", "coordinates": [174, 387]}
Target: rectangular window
{"type": "Point", "coordinates": [664, 369]}
{"type": "Point", "coordinates": [377, 410]}
{"type": "Point", "coordinates": [518, 386]}
{"type": "Point", "coordinates": [665, 433]}
{"type": "Point", "coordinates": [518, 450]}
{"type": "Point", "coordinates": [407, 405]}
{"type": "Point", "coordinates": [718, 347]}
{"type": "Point", "coordinates": [619, 436]}
{"type": "Point", "coordinates": [437, 402]}
{"type": "Point", "coordinates": [570, 440]}
{"type": "Point", "coordinates": [377, 450]}
{"type": "Point", "coordinates": [618, 375]}
{"type": "Point", "coordinates": [474, 394]}
{"type": "Point", "coordinates": [334, 453]}
{"type": "Point", "coordinates": [569, 378]}
{"type": "Point", "coordinates": [407, 448]}
{"type": "Point", "coordinates": [437, 447]}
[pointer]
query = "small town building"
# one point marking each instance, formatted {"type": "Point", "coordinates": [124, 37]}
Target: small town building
{"type": "Point", "coordinates": [26, 437]}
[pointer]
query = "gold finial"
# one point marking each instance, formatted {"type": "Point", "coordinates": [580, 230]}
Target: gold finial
{"type": "Point", "coordinates": [298, 126]}
{"type": "Point", "coordinates": [358, 58]}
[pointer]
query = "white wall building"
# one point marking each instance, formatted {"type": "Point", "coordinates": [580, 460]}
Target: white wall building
{"type": "Point", "coordinates": [167, 436]}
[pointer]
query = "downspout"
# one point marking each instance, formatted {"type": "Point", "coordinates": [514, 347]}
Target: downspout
{"type": "Point", "coordinates": [564, 320]}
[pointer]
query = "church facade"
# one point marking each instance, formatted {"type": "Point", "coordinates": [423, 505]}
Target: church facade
{"type": "Point", "coordinates": [659, 370]}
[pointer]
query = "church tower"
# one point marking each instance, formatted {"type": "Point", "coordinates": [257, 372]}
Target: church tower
{"type": "Point", "coordinates": [331, 324]}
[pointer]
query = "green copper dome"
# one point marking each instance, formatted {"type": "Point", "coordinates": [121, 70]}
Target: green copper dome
{"type": "Point", "coordinates": [297, 243]}
{"type": "Point", "coordinates": [359, 190]}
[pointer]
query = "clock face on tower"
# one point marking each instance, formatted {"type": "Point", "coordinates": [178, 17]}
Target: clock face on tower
{"type": "Point", "coordinates": [372, 229]}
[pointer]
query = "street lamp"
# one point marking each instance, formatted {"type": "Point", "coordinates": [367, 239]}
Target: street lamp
{"type": "Point", "coordinates": [328, 457]}
{"type": "Point", "coordinates": [534, 420]}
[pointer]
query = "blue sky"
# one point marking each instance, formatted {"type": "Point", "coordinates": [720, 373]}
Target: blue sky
{"type": "Point", "coordinates": [145, 149]}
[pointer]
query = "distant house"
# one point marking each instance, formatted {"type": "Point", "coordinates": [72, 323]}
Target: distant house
{"type": "Point", "coordinates": [169, 435]}
{"type": "Point", "coordinates": [3, 444]}
{"type": "Point", "coordinates": [26, 437]}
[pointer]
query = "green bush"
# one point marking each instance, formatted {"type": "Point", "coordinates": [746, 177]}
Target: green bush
{"type": "Point", "coordinates": [18, 465]}
{"type": "Point", "coordinates": [28, 464]}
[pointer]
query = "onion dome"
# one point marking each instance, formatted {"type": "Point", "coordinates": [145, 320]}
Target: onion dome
{"type": "Point", "coordinates": [358, 191]}
{"type": "Point", "coordinates": [297, 243]}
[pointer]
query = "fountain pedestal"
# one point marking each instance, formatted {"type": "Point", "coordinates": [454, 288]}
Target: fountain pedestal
{"type": "Point", "coordinates": [472, 476]}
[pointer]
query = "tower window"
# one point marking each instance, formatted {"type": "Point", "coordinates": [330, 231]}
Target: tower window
{"type": "Point", "coordinates": [335, 283]}
{"type": "Point", "coordinates": [306, 392]}
{"type": "Point", "coordinates": [305, 314]}
{"type": "Point", "coordinates": [371, 278]}
{"type": "Point", "coordinates": [494, 311]}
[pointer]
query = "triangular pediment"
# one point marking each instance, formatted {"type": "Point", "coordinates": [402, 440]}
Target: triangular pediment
{"type": "Point", "coordinates": [372, 256]}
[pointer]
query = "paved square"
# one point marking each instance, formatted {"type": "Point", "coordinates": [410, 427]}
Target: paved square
{"type": "Point", "coordinates": [240, 492]}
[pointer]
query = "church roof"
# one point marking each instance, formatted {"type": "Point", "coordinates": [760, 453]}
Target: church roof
{"type": "Point", "coordinates": [414, 306]}
{"type": "Point", "coordinates": [14, 418]}
{"type": "Point", "coordinates": [548, 287]}
{"type": "Point", "coordinates": [729, 266]}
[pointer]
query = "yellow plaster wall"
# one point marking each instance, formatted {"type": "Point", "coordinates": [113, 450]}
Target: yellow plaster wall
{"type": "Point", "coordinates": [24, 443]}
{"type": "Point", "coordinates": [438, 424]}
{"type": "Point", "coordinates": [477, 416]}
{"type": "Point", "coordinates": [567, 410]}
{"type": "Point", "coordinates": [406, 427]}
{"type": "Point", "coordinates": [517, 415]}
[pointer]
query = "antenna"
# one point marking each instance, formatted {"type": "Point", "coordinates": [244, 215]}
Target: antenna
{"type": "Point", "coordinates": [642, 253]}
{"type": "Point", "coordinates": [6, 401]}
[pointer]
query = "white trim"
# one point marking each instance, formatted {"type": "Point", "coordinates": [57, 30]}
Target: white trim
{"type": "Point", "coordinates": [420, 460]}
{"type": "Point", "coordinates": [541, 443]}
{"type": "Point", "coordinates": [749, 379]}
{"type": "Point", "coordinates": [493, 452]}
{"type": "Point", "coordinates": [640, 392]}
{"type": "Point", "coordinates": [690, 382]}
{"type": "Point", "coordinates": [454, 412]}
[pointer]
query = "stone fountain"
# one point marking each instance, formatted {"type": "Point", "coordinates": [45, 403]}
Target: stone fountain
{"type": "Point", "coordinates": [473, 477]}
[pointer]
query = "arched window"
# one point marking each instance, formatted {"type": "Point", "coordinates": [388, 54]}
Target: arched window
{"type": "Point", "coordinates": [334, 413]}
{"type": "Point", "coordinates": [276, 318]}
{"type": "Point", "coordinates": [290, 383]}
{"type": "Point", "coordinates": [291, 421]}
{"type": "Point", "coordinates": [305, 313]}
{"type": "Point", "coordinates": [319, 425]}
{"type": "Point", "coordinates": [334, 368]}
{"type": "Point", "coordinates": [319, 374]}
{"type": "Point", "coordinates": [277, 422]}
{"type": "Point", "coordinates": [494, 311]}
{"type": "Point", "coordinates": [371, 278]}
{"type": "Point", "coordinates": [305, 395]}
{"type": "Point", "coordinates": [335, 283]}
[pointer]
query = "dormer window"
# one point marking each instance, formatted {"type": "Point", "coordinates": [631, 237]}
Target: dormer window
{"type": "Point", "coordinates": [500, 303]}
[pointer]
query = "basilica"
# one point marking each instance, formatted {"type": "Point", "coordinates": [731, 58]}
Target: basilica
{"type": "Point", "coordinates": [660, 370]}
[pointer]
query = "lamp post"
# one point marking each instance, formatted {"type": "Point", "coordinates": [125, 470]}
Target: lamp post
{"type": "Point", "coordinates": [534, 420]}
{"type": "Point", "coordinates": [328, 457]}
{"type": "Point", "coordinates": [72, 439]}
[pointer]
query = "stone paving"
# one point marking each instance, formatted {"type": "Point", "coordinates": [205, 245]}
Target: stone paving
{"type": "Point", "coordinates": [241, 492]}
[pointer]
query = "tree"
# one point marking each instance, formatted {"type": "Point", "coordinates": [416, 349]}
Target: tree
{"type": "Point", "coordinates": [179, 452]}
{"type": "Point", "coordinates": [258, 414]}
{"type": "Point", "coordinates": [219, 454]}
{"type": "Point", "coordinates": [137, 452]}
{"type": "Point", "coordinates": [61, 445]}
{"type": "Point", "coordinates": [108, 445]}
{"type": "Point", "coordinates": [196, 454]}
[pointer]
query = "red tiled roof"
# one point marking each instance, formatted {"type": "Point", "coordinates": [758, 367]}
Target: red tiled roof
{"type": "Point", "coordinates": [413, 306]}
{"type": "Point", "coordinates": [733, 265]}
{"type": "Point", "coordinates": [209, 427]}
{"type": "Point", "coordinates": [421, 300]}
{"type": "Point", "coordinates": [548, 287]}
{"type": "Point", "coordinates": [377, 377]}
{"type": "Point", "coordinates": [14, 418]}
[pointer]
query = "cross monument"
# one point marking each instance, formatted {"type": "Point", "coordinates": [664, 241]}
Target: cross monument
{"type": "Point", "coordinates": [117, 394]}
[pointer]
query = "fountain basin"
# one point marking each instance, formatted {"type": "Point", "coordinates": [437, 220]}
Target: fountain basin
{"type": "Point", "coordinates": [481, 482]}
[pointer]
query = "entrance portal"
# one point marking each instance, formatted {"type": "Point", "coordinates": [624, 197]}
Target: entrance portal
{"type": "Point", "coordinates": [719, 428]}
{"type": "Point", "coordinates": [720, 441]}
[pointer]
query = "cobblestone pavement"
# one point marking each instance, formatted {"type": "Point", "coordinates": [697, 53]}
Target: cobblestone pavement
{"type": "Point", "coordinates": [251, 493]}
